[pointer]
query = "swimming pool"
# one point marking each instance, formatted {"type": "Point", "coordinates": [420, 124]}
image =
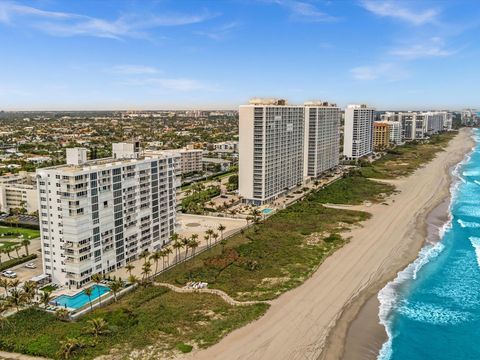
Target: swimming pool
{"type": "Point", "coordinates": [81, 299]}
{"type": "Point", "coordinates": [267, 211]}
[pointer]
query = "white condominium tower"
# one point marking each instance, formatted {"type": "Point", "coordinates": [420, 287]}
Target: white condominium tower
{"type": "Point", "coordinates": [271, 149]}
{"type": "Point", "coordinates": [98, 215]}
{"type": "Point", "coordinates": [322, 137]}
{"type": "Point", "coordinates": [358, 131]}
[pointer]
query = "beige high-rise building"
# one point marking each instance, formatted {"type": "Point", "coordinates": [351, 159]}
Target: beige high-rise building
{"type": "Point", "coordinates": [381, 135]}
{"type": "Point", "coordinates": [271, 149]}
{"type": "Point", "coordinates": [322, 137]}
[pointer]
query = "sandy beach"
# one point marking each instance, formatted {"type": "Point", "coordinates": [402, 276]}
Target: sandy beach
{"type": "Point", "coordinates": [312, 321]}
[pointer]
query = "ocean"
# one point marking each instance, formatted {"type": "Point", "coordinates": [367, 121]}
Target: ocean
{"type": "Point", "coordinates": [431, 310]}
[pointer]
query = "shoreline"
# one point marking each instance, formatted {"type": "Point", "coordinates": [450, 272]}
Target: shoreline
{"type": "Point", "coordinates": [358, 330]}
{"type": "Point", "coordinates": [312, 320]}
{"type": "Point", "coordinates": [365, 335]}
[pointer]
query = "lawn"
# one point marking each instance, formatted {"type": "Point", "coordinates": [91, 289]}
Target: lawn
{"type": "Point", "coordinates": [405, 159]}
{"type": "Point", "coordinates": [154, 319]}
{"type": "Point", "coordinates": [280, 253]}
{"type": "Point", "coordinates": [12, 231]}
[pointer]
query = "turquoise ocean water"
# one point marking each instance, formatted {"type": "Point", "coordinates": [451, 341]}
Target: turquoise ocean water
{"type": "Point", "coordinates": [432, 309]}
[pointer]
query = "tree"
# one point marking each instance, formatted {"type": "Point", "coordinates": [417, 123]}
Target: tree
{"type": "Point", "coordinates": [129, 268]}
{"type": "Point", "coordinates": [146, 270]}
{"type": "Point", "coordinates": [7, 250]}
{"type": "Point", "coordinates": [17, 248]}
{"type": "Point", "coordinates": [45, 297]}
{"type": "Point", "coordinates": [223, 243]}
{"type": "Point", "coordinates": [88, 291]}
{"type": "Point", "coordinates": [185, 243]}
{"type": "Point", "coordinates": [30, 290]}
{"type": "Point", "coordinates": [97, 279]}
{"type": "Point", "coordinates": [116, 286]}
{"type": "Point", "coordinates": [209, 233]}
{"type": "Point", "coordinates": [26, 244]}
{"type": "Point", "coordinates": [5, 284]}
{"type": "Point", "coordinates": [177, 245]}
{"type": "Point", "coordinates": [156, 256]}
{"type": "Point", "coordinates": [193, 244]}
{"type": "Point", "coordinates": [62, 314]}
{"type": "Point", "coordinates": [255, 214]}
{"type": "Point", "coordinates": [168, 252]}
{"type": "Point", "coordinates": [132, 279]}
{"type": "Point", "coordinates": [207, 239]}
{"type": "Point", "coordinates": [68, 347]}
{"type": "Point", "coordinates": [215, 237]}
{"type": "Point", "coordinates": [97, 326]}
{"type": "Point", "coordinates": [144, 255]}
{"type": "Point", "coordinates": [221, 228]}
{"type": "Point", "coordinates": [17, 298]}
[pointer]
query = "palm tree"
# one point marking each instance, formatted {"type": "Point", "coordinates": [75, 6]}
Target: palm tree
{"type": "Point", "coordinates": [116, 286]}
{"type": "Point", "coordinates": [174, 237]}
{"type": "Point", "coordinates": [215, 237]}
{"type": "Point", "coordinates": [207, 239]}
{"type": "Point", "coordinates": [97, 279]}
{"type": "Point", "coordinates": [45, 297]}
{"type": "Point", "coordinates": [146, 270]}
{"type": "Point", "coordinates": [255, 213]}
{"type": "Point", "coordinates": [193, 244]}
{"type": "Point", "coordinates": [221, 228]}
{"type": "Point", "coordinates": [26, 244]}
{"type": "Point", "coordinates": [144, 255]}
{"type": "Point", "coordinates": [5, 284]}
{"type": "Point", "coordinates": [209, 233]}
{"type": "Point", "coordinates": [17, 298]}
{"type": "Point", "coordinates": [156, 256]}
{"type": "Point", "coordinates": [177, 245]}
{"type": "Point", "coordinates": [62, 314]}
{"type": "Point", "coordinates": [129, 268]}
{"type": "Point", "coordinates": [68, 347]}
{"type": "Point", "coordinates": [132, 279]}
{"type": "Point", "coordinates": [14, 283]}
{"type": "Point", "coordinates": [88, 292]}
{"type": "Point", "coordinates": [30, 289]}
{"type": "Point", "coordinates": [16, 248]}
{"type": "Point", "coordinates": [97, 326]}
{"type": "Point", "coordinates": [185, 242]}
{"type": "Point", "coordinates": [7, 250]}
{"type": "Point", "coordinates": [168, 251]}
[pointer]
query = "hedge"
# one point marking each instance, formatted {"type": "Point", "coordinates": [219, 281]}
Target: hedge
{"type": "Point", "coordinates": [17, 261]}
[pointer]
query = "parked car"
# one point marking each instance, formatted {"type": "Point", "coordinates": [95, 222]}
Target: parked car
{"type": "Point", "coordinates": [9, 274]}
{"type": "Point", "coordinates": [31, 265]}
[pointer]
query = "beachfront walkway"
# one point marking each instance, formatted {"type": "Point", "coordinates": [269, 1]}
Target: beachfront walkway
{"type": "Point", "coordinates": [220, 293]}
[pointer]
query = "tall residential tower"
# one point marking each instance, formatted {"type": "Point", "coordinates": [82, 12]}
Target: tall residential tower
{"type": "Point", "coordinates": [358, 131]}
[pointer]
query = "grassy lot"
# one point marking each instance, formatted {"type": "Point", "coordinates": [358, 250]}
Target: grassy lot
{"type": "Point", "coordinates": [280, 253]}
{"type": "Point", "coordinates": [405, 159]}
{"type": "Point", "coordinates": [152, 316]}
{"type": "Point", "coordinates": [7, 231]}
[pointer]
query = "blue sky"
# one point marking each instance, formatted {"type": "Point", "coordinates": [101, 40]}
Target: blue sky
{"type": "Point", "coordinates": [147, 54]}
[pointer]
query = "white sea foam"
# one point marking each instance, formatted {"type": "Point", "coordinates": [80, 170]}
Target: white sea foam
{"type": "Point", "coordinates": [468, 224]}
{"type": "Point", "coordinates": [469, 210]}
{"type": "Point", "coordinates": [476, 245]}
{"type": "Point", "coordinates": [433, 314]}
{"type": "Point", "coordinates": [388, 296]}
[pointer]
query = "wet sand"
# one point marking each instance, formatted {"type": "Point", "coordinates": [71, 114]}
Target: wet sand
{"type": "Point", "coordinates": [365, 334]}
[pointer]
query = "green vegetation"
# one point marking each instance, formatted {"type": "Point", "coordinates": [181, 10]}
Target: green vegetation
{"type": "Point", "coordinates": [404, 160]}
{"type": "Point", "coordinates": [232, 183]}
{"type": "Point", "coordinates": [354, 190]}
{"type": "Point", "coordinates": [14, 232]}
{"type": "Point", "coordinates": [152, 316]}
{"type": "Point", "coordinates": [17, 261]}
{"type": "Point", "coordinates": [195, 202]}
{"type": "Point", "coordinates": [280, 253]}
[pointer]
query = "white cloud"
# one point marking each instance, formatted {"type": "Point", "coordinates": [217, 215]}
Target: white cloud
{"type": "Point", "coordinates": [70, 24]}
{"type": "Point", "coordinates": [304, 11]}
{"type": "Point", "coordinates": [398, 10]}
{"type": "Point", "coordinates": [384, 71]}
{"type": "Point", "coordinates": [133, 69]}
{"type": "Point", "coordinates": [219, 33]}
{"type": "Point", "coordinates": [435, 47]}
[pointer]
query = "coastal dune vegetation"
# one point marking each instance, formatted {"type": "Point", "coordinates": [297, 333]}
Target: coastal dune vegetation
{"type": "Point", "coordinates": [262, 262]}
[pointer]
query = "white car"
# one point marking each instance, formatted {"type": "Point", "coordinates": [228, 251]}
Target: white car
{"type": "Point", "coordinates": [9, 274]}
{"type": "Point", "coordinates": [31, 265]}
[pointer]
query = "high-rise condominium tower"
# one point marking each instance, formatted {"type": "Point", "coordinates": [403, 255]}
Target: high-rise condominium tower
{"type": "Point", "coordinates": [271, 149]}
{"type": "Point", "coordinates": [322, 138]}
{"type": "Point", "coordinates": [358, 131]}
{"type": "Point", "coordinates": [96, 216]}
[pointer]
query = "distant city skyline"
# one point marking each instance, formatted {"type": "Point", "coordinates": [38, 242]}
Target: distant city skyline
{"type": "Point", "coordinates": [154, 55]}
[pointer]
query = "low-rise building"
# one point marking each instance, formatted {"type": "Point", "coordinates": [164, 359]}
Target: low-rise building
{"type": "Point", "coordinates": [18, 191]}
